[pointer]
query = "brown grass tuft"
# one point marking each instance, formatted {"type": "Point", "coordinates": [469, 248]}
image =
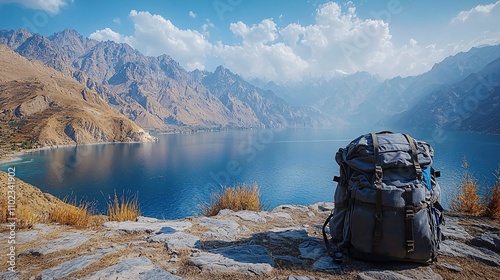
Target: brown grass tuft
{"type": "Point", "coordinates": [242, 197]}
{"type": "Point", "coordinates": [493, 205]}
{"type": "Point", "coordinates": [124, 209]}
{"type": "Point", "coordinates": [467, 199]}
{"type": "Point", "coordinates": [72, 213]}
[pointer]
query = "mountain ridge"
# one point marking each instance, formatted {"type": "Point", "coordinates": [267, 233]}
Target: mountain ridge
{"type": "Point", "coordinates": [156, 92]}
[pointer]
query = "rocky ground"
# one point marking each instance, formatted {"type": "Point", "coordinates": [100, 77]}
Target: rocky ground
{"type": "Point", "coordinates": [284, 243]}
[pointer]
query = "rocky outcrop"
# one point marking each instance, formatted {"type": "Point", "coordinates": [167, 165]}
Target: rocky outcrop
{"type": "Point", "coordinates": [284, 243]}
{"type": "Point", "coordinates": [44, 107]}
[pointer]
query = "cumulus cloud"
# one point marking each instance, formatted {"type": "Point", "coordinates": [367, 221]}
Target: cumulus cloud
{"type": "Point", "coordinates": [192, 14]}
{"type": "Point", "coordinates": [155, 35]}
{"type": "Point", "coordinates": [51, 6]}
{"type": "Point", "coordinates": [337, 41]}
{"type": "Point", "coordinates": [477, 26]}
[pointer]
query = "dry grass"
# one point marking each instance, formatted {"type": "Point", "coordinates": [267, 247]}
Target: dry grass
{"type": "Point", "coordinates": [125, 208]}
{"type": "Point", "coordinates": [23, 217]}
{"type": "Point", "coordinates": [467, 200]}
{"type": "Point", "coordinates": [493, 205]}
{"type": "Point", "coordinates": [242, 197]}
{"type": "Point", "coordinates": [72, 214]}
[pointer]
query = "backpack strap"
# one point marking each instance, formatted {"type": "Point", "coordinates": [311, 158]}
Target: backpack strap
{"type": "Point", "coordinates": [377, 234]}
{"type": "Point", "coordinates": [335, 254]}
{"type": "Point", "coordinates": [414, 157]}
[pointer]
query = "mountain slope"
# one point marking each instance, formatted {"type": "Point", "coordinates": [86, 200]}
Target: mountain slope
{"type": "Point", "coordinates": [155, 92]}
{"type": "Point", "coordinates": [471, 104]}
{"type": "Point", "coordinates": [46, 107]}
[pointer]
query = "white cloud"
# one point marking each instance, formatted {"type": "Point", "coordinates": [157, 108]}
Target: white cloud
{"type": "Point", "coordinates": [338, 40]}
{"type": "Point", "coordinates": [192, 14]}
{"type": "Point", "coordinates": [51, 6]}
{"type": "Point", "coordinates": [117, 20]}
{"type": "Point", "coordinates": [477, 12]}
{"type": "Point", "coordinates": [477, 26]}
{"type": "Point", "coordinates": [155, 35]}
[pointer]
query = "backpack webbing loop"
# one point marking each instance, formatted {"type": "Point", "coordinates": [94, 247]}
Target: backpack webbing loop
{"type": "Point", "coordinates": [414, 157]}
{"type": "Point", "coordinates": [409, 216]}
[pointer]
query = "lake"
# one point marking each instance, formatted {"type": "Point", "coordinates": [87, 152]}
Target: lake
{"type": "Point", "coordinates": [180, 171]}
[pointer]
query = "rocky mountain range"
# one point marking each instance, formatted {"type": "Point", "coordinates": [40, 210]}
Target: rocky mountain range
{"type": "Point", "coordinates": [364, 99]}
{"type": "Point", "coordinates": [41, 107]}
{"type": "Point", "coordinates": [156, 92]}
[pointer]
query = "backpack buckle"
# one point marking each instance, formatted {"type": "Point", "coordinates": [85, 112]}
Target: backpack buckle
{"type": "Point", "coordinates": [410, 212]}
{"type": "Point", "coordinates": [410, 246]}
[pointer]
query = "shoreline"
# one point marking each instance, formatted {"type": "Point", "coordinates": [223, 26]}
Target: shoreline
{"type": "Point", "coordinates": [16, 156]}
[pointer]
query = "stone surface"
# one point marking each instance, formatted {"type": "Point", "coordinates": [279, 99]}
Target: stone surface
{"type": "Point", "coordinates": [311, 250]}
{"type": "Point", "coordinates": [9, 275]}
{"type": "Point", "coordinates": [292, 207]}
{"type": "Point", "coordinates": [456, 249]}
{"type": "Point", "coordinates": [325, 264]}
{"type": "Point", "coordinates": [452, 267]}
{"type": "Point", "coordinates": [135, 268]}
{"type": "Point", "coordinates": [149, 227]}
{"type": "Point", "coordinates": [487, 240]}
{"type": "Point", "coordinates": [222, 230]}
{"type": "Point", "coordinates": [69, 241]}
{"type": "Point", "coordinates": [452, 230]}
{"type": "Point", "coordinates": [425, 273]}
{"type": "Point", "coordinates": [27, 236]}
{"type": "Point", "coordinates": [295, 233]}
{"type": "Point", "coordinates": [248, 259]}
{"type": "Point", "coordinates": [250, 216]}
{"type": "Point", "coordinates": [292, 277]}
{"type": "Point", "coordinates": [281, 215]}
{"type": "Point", "coordinates": [322, 206]}
{"type": "Point", "coordinates": [69, 267]}
{"type": "Point", "coordinates": [176, 240]}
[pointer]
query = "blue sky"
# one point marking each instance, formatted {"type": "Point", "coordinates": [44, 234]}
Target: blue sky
{"type": "Point", "coordinates": [275, 40]}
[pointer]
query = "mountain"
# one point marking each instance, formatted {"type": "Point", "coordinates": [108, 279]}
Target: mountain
{"type": "Point", "coordinates": [263, 107]}
{"type": "Point", "coordinates": [398, 94]}
{"type": "Point", "coordinates": [45, 107]}
{"type": "Point", "coordinates": [472, 104]}
{"type": "Point", "coordinates": [156, 92]}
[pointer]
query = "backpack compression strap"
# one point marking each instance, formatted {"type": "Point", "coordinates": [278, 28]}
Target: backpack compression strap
{"type": "Point", "coordinates": [378, 176]}
{"type": "Point", "coordinates": [335, 254]}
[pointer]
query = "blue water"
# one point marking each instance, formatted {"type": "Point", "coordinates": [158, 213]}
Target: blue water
{"type": "Point", "coordinates": [177, 173]}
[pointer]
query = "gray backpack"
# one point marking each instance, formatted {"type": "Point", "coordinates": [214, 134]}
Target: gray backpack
{"type": "Point", "coordinates": [387, 201]}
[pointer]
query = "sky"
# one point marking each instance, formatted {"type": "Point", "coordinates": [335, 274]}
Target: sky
{"type": "Point", "coordinates": [279, 40]}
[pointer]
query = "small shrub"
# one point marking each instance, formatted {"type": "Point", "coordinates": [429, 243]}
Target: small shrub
{"type": "Point", "coordinates": [124, 209]}
{"type": "Point", "coordinates": [493, 204]}
{"type": "Point", "coordinates": [242, 197]}
{"type": "Point", "coordinates": [72, 213]}
{"type": "Point", "coordinates": [24, 217]}
{"type": "Point", "coordinates": [467, 199]}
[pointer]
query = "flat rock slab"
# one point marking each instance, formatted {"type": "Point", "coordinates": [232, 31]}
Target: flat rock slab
{"type": "Point", "coordinates": [176, 240]}
{"type": "Point", "coordinates": [150, 226]}
{"type": "Point", "coordinates": [248, 259]}
{"type": "Point", "coordinates": [69, 267]}
{"type": "Point", "coordinates": [322, 206]}
{"type": "Point", "coordinates": [136, 268]}
{"type": "Point", "coordinates": [453, 248]}
{"type": "Point", "coordinates": [294, 233]}
{"type": "Point", "coordinates": [311, 250]}
{"type": "Point", "coordinates": [487, 240]}
{"type": "Point", "coordinates": [325, 264]}
{"type": "Point", "coordinates": [226, 230]}
{"type": "Point", "coordinates": [409, 274]}
{"type": "Point", "coordinates": [69, 241]}
{"type": "Point", "coordinates": [452, 230]}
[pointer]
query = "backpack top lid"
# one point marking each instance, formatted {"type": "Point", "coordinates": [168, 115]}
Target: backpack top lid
{"type": "Point", "coordinates": [394, 152]}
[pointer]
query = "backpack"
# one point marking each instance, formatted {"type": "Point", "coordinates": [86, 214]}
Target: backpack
{"type": "Point", "coordinates": [387, 201]}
